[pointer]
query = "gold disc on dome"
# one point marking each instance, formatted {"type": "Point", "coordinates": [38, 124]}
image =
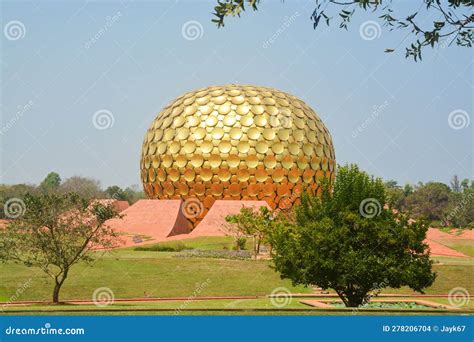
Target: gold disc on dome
{"type": "Point", "coordinates": [246, 120]}
{"type": "Point", "coordinates": [197, 160]}
{"type": "Point", "coordinates": [174, 147]}
{"type": "Point", "coordinates": [189, 175]}
{"type": "Point", "coordinates": [234, 92]}
{"type": "Point", "coordinates": [207, 109]}
{"type": "Point", "coordinates": [225, 146]}
{"type": "Point", "coordinates": [242, 109]}
{"type": "Point", "coordinates": [294, 148]}
{"type": "Point", "coordinates": [243, 175]}
{"type": "Point", "coordinates": [253, 133]}
{"type": "Point", "coordinates": [261, 147]}
{"type": "Point", "coordinates": [183, 133]}
{"type": "Point", "coordinates": [315, 163]}
{"type": "Point", "coordinates": [183, 189]}
{"type": "Point", "coordinates": [179, 121]}
{"type": "Point", "coordinates": [189, 147]}
{"type": "Point", "coordinates": [308, 149]}
{"type": "Point", "coordinates": [202, 100]}
{"type": "Point", "coordinates": [260, 120]}
{"type": "Point", "coordinates": [199, 189]}
{"type": "Point", "coordinates": [229, 120]}
{"type": "Point", "coordinates": [173, 174]}
{"type": "Point", "coordinates": [254, 189]}
{"type": "Point", "coordinates": [278, 175]}
{"type": "Point", "coordinates": [155, 161]}
{"type": "Point", "coordinates": [224, 175]}
{"type": "Point", "coordinates": [234, 189]}
{"type": "Point", "coordinates": [220, 99]}
{"type": "Point", "coordinates": [193, 121]}
{"type": "Point", "coordinates": [268, 189]}
{"type": "Point", "coordinates": [319, 150]}
{"type": "Point", "coordinates": [302, 163]}
{"type": "Point", "coordinates": [243, 146]}
{"type": "Point", "coordinates": [161, 175]}
{"type": "Point", "coordinates": [206, 174]}
{"type": "Point", "coordinates": [261, 175]}
{"type": "Point", "coordinates": [252, 161]}
{"type": "Point", "coordinates": [206, 146]}
{"type": "Point", "coordinates": [211, 121]}
{"type": "Point", "coordinates": [169, 134]}
{"type": "Point", "coordinates": [298, 135]}
{"type": "Point", "coordinates": [217, 133]}
{"type": "Point", "coordinates": [199, 133]}
{"type": "Point", "coordinates": [233, 160]}
{"type": "Point", "coordinates": [235, 133]}
{"type": "Point", "coordinates": [168, 188]}
{"type": "Point", "coordinates": [181, 161]}
{"type": "Point", "coordinates": [237, 100]}
{"type": "Point", "coordinates": [217, 189]}
{"type": "Point", "coordinates": [287, 162]}
{"type": "Point", "coordinates": [283, 134]}
{"type": "Point", "coordinates": [224, 109]}
{"type": "Point", "coordinates": [215, 160]}
{"type": "Point", "coordinates": [254, 100]}
{"type": "Point", "coordinates": [257, 109]}
{"type": "Point", "coordinates": [294, 176]}
{"type": "Point", "coordinates": [268, 134]}
{"type": "Point", "coordinates": [270, 162]}
{"type": "Point", "coordinates": [278, 148]}
{"type": "Point", "coordinates": [151, 175]}
{"type": "Point", "coordinates": [167, 160]}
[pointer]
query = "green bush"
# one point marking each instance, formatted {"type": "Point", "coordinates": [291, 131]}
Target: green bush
{"type": "Point", "coordinates": [162, 247]}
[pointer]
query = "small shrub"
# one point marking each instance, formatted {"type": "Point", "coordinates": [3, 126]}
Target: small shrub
{"type": "Point", "coordinates": [240, 244]}
{"type": "Point", "coordinates": [176, 247]}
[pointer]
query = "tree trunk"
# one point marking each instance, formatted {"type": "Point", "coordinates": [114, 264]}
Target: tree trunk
{"type": "Point", "coordinates": [57, 287]}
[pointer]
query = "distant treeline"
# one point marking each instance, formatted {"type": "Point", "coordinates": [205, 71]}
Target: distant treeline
{"type": "Point", "coordinates": [439, 203]}
{"type": "Point", "coordinates": [86, 187]}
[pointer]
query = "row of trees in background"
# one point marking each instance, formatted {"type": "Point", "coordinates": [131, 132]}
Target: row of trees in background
{"type": "Point", "coordinates": [439, 203]}
{"type": "Point", "coordinates": [84, 187]}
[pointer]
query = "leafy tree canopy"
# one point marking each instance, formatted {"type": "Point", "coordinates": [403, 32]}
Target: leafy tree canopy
{"type": "Point", "coordinates": [346, 240]}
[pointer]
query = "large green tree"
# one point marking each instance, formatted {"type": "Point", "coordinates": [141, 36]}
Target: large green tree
{"type": "Point", "coordinates": [55, 233]}
{"type": "Point", "coordinates": [347, 241]}
{"type": "Point", "coordinates": [454, 19]}
{"type": "Point", "coordinates": [51, 182]}
{"type": "Point", "coordinates": [429, 201]}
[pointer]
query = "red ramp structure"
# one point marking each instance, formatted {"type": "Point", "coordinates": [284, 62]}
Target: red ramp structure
{"type": "Point", "coordinates": [213, 224]}
{"type": "Point", "coordinates": [153, 220]}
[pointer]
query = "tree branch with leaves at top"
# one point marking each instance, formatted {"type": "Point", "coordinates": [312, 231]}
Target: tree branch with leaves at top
{"type": "Point", "coordinates": [455, 23]}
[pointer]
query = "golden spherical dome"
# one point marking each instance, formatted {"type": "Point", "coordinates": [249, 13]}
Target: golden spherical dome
{"type": "Point", "coordinates": [236, 142]}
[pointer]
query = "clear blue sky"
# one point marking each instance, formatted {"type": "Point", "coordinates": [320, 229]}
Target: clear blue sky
{"type": "Point", "coordinates": [58, 75]}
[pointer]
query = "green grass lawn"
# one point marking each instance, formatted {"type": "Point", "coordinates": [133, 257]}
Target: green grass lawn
{"type": "Point", "coordinates": [129, 273]}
